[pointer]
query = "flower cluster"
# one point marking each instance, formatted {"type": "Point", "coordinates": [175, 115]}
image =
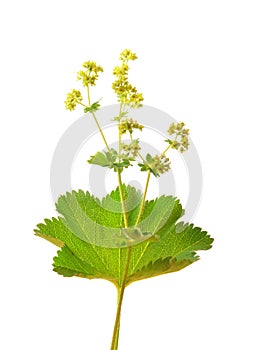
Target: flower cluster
{"type": "Point", "coordinates": [129, 125]}
{"type": "Point", "coordinates": [126, 93]}
{"type": "Point", "coordinates": [72, 99]}
{"type": "Point", "coordinates": [130, 150]}
{"type": "Point", "coordinates": [90, 74]}
{"type": "Point", "coordinates": [127, 55]}
{"type": "Point", "coordinates": [159, 164]}
{"type": "Point", "coordinates": [181, 140]}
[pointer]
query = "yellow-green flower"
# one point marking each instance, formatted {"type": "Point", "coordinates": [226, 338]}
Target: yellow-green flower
{"type": "Point", "coordinates": [129, 125]}
{"type": "Point", "coordinates": [126, 93]}
{"type": "Point", "coordinates": [72, 99]}
{"type": "Point", "coordinates": [127, 55]}
{"type": "Point", "coordinates": [181, 140]}
{"type": "Point", "coordinates": [90, 74]}
{"type": "Point", "coordinates": [131, 149]}
{"type": "Point", "coordinates": [121, 71]}
{"type": "Point", "coordinates": [159, 164]}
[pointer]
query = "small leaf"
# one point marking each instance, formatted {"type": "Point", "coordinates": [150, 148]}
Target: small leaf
{"type": "Point", "coordinates": [93, 108]}
{"type": "Point", "coordinates": [120, 116]}
{"type": "Point", "coordinates": [100, 159]}
{"type": "Point", "coordinates": [109, 159]}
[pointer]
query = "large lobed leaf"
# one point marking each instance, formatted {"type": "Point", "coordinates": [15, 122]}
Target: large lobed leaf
{"type": "Point", "coordinates": [94, 244]}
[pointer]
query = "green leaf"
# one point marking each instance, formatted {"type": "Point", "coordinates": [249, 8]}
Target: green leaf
{"type": "Point", "coordinates": [120, 116]}
{"type": "Point", "coordinates": [147, 166]}
{"type": "Point", "coordinates": [93, 108]}
{"type": "Point", "coordinates": [95, 244]}
{"type": "Point", "coordinates": [160, 267]}
{"type": "Point", "coordinates": [66, 263]}
{"type": "Point", "coordinates": [101, 159]}
{"type": "Point", "coordinates": [109, 159]}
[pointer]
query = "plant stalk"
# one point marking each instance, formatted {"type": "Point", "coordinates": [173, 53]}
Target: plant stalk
{"type": "Point", "coordinates": [125, 218]}
{"type": "Point", "coordinates": [121, 289]}
{"type": "Point", "coordinates": [115, 337]}
{"type": "Point", "coordinates": [144, 198]}
{"type": "Point", "coordinates": [120, 177]}
{"type": "Point", "coordinates": [96, 120]}
{"type": "Point", "coordinates": [166, 149]}
{"type": "Point", "coordinates": [146, 187]}
{"type": "Point", "coordinates": [101, 132]}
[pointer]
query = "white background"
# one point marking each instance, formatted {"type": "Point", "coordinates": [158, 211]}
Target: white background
{"type": "Point", "coordinates": [195, 62]}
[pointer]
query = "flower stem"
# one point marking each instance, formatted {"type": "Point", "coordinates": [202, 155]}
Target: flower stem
{"type": "Point", "coordinates": [119, 174]}
{"type": "Point", "coordinates": [101, 132]}
{"type": "Point", "coordinates": [125, 218]}
{"type": "Point", "coordinates": [144, 198]}
{"type": "Point", "coordinates": [146, 187]}
{"type": "Point", "coordinates": [166, 149]}
{"type": "Point", "coordinates": [114, 343]}
{"type": "Point", "coordinates": [121, 289]}
{"type": "Point", "coordinates": [96, 120]}
{"type": "Point", "coordinates": [170, 145]}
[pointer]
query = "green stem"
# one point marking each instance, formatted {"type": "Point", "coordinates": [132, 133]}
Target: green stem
{"type": "Point", "coordinates": [142, 158]}
{"type": "Point", "coordinates": [166, 149]}
{"type": "Point", "coordinates": [139, 154]}
{"type": "Point", "coordinates": [101, 132]}
{"type": "Point", "coordinates": [114, 343]}
{"type": "Point", "coordinates": [121, 289]}
{"type": "Point", "coordinates": [88, 95]}
{"type": "Point", "coordinates": [147, 183]}
{"type": "Point", "coordinates": [119, 174]}
{"type": "Point", "coordinates": [144, 198]}
{"type": "Point", "coordinates": [125, 218]}
{"type": "Point", "coordinates": [170, 145]}
{"type": "Point", "coordinates": [119, 139]}
{"type": "Point", "coordinates": [115, 337]}
{"type": "Point", "coordinates": [96, 120]}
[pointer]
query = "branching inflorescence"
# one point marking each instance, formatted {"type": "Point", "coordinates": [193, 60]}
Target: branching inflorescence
{"type": "Point", "coordinates": [128, 98]}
